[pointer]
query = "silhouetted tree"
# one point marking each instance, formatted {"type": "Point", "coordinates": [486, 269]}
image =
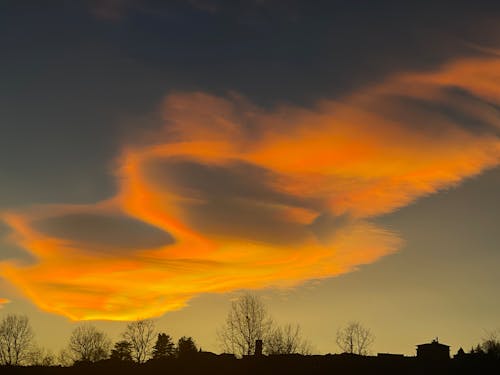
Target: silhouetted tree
{"type": "Point", "coordinates": [186, 347]}
{"type": "Point", "coordinates": [491, 345]}
{"type": "Point", "coordinates": [16, 338]}
{"type": "Point", "coordinates": [64, 358]}
{"type": "Point", "coordinates": [39, 356]}
{"type": "Point", "coordinates": [164, 347]}
{"type": "Point", "coordinates": [286, 340]}
{"type": "Point", "coordinates": [122, 351]}
{"type": "Point", "coordinates": [141, 335]}
{"type": "Point", "coordinates": [354, 338]}
{"type": "Point", "coordinates": [477, 350]}
{"type": "Point", "coordinates": [88, 344]}
{"type": "Point", "coordinates": [460, 354]}
{"type": "Point", "coordinates": [246, 322]}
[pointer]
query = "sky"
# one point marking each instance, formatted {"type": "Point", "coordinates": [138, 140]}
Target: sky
{"type": "Point", "coordinates": [339, 159]}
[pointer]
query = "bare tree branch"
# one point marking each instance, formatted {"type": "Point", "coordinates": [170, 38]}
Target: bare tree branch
{"type": "Point", "coordinates": [355, 339]}
{"type": "Point", "coordinates": [141, 335]}
{"type": "Point", "coordinates": [287, 339]}
{"type": "Point", "coordinates": [246, 322]}
{"type": "Point", "coordinates": [16, 337]}
{"type": "Point", "coordinates": [87, 343]}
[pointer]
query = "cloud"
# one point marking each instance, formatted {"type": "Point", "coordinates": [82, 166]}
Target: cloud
{"type": "Point", "coordinates": [228, 195]}
{"type": "Point", "coordinates": [103, 231]}
{"type": "Point", "coordinates": [3, 301]}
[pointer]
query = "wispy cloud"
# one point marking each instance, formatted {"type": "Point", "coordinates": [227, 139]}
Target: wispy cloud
{"type": "Point", "coordinates": [228, 195]}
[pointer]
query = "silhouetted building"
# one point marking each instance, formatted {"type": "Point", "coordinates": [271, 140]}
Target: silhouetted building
{"type": "Point", "coordinates": [460, 354]}
{"type": "Point", "coordinates": [390, 356]}
{"type": "Point", "coordinates": [434, 351]}
{"type": "Point", "coordinates": [258, 347]}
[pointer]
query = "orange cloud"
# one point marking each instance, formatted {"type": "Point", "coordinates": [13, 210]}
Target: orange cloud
{"type": "Point", "coordinates": [230, 196]}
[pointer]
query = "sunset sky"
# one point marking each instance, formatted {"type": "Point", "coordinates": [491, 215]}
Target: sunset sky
{"type": "Point", "coordinates": [341, 159]}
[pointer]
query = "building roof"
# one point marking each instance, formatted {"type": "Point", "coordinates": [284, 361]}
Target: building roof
{"type": "Point", "coordinates": [434, 343]}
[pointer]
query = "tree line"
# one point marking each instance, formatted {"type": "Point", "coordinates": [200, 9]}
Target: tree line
{"type": "Point", "coordinates": [247, 321]}
{"type": "Point", "coordinates": [140, 342]}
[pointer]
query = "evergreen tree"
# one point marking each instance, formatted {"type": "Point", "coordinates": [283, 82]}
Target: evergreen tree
{"type": "Point", "coordinates": [122, 351]}
{"type": "Point", "coordinates": [164, 347]}
{"type": "Point", "coordinates": [186, 347]}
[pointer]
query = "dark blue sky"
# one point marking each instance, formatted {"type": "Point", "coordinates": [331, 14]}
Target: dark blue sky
{"type": "Point", "coordinates": [71, 72]}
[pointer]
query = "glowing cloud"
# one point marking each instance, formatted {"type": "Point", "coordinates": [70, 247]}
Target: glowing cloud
{"type": "Point", "coordinates": [230, 196]}
{"type": "Point", "coordinates": [3, 301]}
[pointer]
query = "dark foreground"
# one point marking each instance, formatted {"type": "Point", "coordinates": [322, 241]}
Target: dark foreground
{"type": "Point", "coordinates": [224, 365]}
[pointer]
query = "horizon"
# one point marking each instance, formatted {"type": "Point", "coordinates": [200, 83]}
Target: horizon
{"type": "Point", "coordinates": [340, 161]}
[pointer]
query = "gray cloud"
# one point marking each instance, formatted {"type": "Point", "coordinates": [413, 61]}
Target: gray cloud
{"type": "Point", "coordinates": [107, 232]}
{"type": "Point", "coordinates": [10, 251]}
{"type": "Point", "coordinates": [236, 200]}
{"type": "Point", "coordinates": [237, 180]}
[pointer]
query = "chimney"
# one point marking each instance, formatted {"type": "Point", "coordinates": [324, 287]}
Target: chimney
{"type": "Point", "coordinates": [258, 347]}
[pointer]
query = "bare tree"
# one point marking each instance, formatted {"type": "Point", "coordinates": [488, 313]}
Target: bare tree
{"type": "Point", "coordinates": [246, 322]}
{"type": "Point", "coordinates": [39, 356]}
{"type": "Point", "coordinates": [16, 338]}
{"type": "Point", "coordinates": [355, 339]}
{"type": "Point", "coordinates": [141, 335]}
{"type": "Point", "coordinates": [87, 343]}
{"type": "Point", "coordinates": [64, 358]}
{"type": "Point", "coordinates": [491, 344]}
{"type": "Point", "coordinates": [287, 339]}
